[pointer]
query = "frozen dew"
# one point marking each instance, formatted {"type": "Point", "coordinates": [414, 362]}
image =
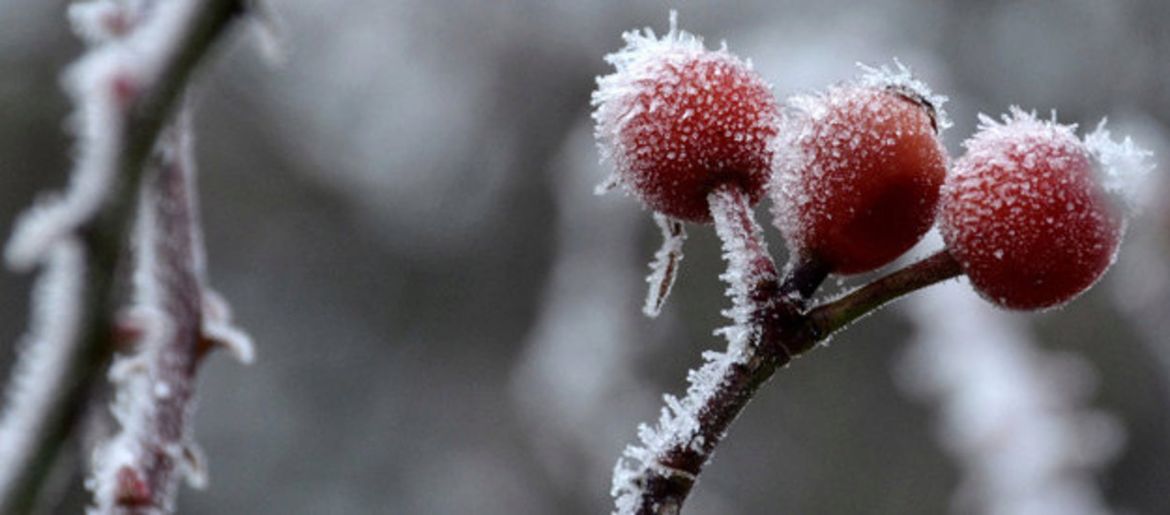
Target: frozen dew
{"type": "Point", "coordinates": [1124, 168]}
{"type": "Point", "coordinates": [900, 79]}
{"type": "Point", "coordinates": [642, 59]}
{"type": "Point", "coordinates": [673, 118]}
{"type": "Point", "coordinates": [838, 151]}
{"type": "Point", "coordinates": [1032, 195]}
{"type": "Point", "coordinates": [664, 269]}
{"type": "Point", "coordinates": [678, 424]}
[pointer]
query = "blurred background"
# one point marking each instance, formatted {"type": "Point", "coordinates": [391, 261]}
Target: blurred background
{"type": "Point", "coordinates": [448, 320]}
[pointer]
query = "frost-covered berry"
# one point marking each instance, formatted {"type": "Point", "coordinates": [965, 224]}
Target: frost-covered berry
{"type": "Point", "coordinates": [678, 120]}
{"type": "Point", "coordinates": [858, 170]}
{"type": "Point", "coordinates": [1026, 212]}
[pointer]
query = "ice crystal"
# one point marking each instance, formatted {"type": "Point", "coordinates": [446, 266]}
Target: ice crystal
{"type": "Point", "coordinates": [666, 262]}
{"type": "Point", "coordinates": [678, 425]}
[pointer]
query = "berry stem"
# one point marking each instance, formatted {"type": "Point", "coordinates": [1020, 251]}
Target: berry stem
{"type": "Point", "coordinates": [767, 312]}
{"type": "Point", "coordinates": [778, 330]}
{"type": "Point", "coordinates": [830, 317]}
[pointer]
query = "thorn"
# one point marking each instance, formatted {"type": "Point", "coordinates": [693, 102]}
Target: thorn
{"type": "Point", "coordinates": [131, 490]}
{"type": "Point", "coordinates": [223, 335]}
{"type": "Point", "coordinates": [194, 465]}
{"type": "Point", "coordinates": [215, 307]}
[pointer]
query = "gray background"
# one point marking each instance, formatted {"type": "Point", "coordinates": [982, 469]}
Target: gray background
{"type": "Point", "coordinates": [401, 216]}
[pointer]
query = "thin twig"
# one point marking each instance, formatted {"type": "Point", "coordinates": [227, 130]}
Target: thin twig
{"type": "Point", "coordinates": [197, 24]}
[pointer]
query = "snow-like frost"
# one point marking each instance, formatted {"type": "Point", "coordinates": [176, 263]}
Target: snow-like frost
{"type": "Point", "coordinates": [1013, 415]}
{"type": "Point", "coordinates": [103, 85]}
{"type": "Point", "coordinates": [1123, 166]}
{"type": "Point", "coordinates": [640, 60]}
{"type": "Point", "coordinates": [134, 375]}
{"type": "Point", "coordinates": [674, 114]}
{"type": "Point", "coordinates": [664, 268]}
{"type": "Point", "coordinates": [44, 356]}
{"type": "Point", "coordinates": [824, 123]}
{"type": "Point", "coordinates": [899, 78]}
{"type": "Point", "coordinates": [678, 422]}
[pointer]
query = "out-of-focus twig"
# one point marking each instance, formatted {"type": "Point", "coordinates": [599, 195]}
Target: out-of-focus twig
{"type": "Point", "coordinates": [125, 89]}
{"type": "Point", "coordinates": [1012, 415]}
{"type": "Point", "coordinates": [770, 328]}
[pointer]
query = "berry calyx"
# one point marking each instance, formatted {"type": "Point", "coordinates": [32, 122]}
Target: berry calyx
{"type": "Point", "coordinates": [678, 121]}
{"type": "Point", "coordinates": [1026, 216]}
{"type": "Point", "coordinates": [858, 171]}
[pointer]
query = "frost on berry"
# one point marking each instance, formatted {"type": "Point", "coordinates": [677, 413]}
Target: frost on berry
{"type": "Point", "coordinates": [677, 120]}
{"type": "Point", "coordinates": [858, 169]}
{"type": "Point", "coordinates": [1028, 211]}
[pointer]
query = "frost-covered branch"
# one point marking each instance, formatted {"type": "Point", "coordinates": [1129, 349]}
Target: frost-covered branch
{"type": "Point", "coordinates": [656, 476]}
{"type": "Point", "coordinates": [42, 372]}
{"type": "Point", "coordinates": [770, 328]}
{"type": "Point", "coordinates": [167, 325]}
{"type": "Point", "coordinates": [1011, 414]}
{"type": "Point", "coordinates": [143, 54]}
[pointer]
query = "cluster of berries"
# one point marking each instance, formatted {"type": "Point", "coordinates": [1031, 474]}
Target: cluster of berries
{"type": "Point", "coordinates": [857, 173]}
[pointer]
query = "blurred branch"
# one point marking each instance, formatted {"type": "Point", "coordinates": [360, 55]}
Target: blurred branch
{"type": "Point", "coordinates": [998, 396]}
{"type": "Point", "coordinates": [168, 336]}
{"type": "Point", "coordinates": [126, 89]}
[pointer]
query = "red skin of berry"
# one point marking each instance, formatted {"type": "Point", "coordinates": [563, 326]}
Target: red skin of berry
{"type": "Point", "coordinates": [1027, 220]}
{"type": "Point", "coordinates": [699, 124]}
{"type": "Point", "coordinates": [869, 182]}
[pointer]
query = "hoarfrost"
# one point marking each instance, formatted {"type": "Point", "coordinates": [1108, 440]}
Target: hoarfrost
{"type": "Point", "coordinates": [43, 362]}
{"type": "Point", "coordinates": [673, 115]}
{"type": "Point", "coordinates": [900, 79]}
{"type": "Point", "coordinates": [664, 268]}
{"type": "Point", "coordinates": [829, 140]}
{"type": "Point", "coordinates": [103, 84]}
{"type": "Point", "coordinates": [640, 60]}
{"type": "Point", "coordinates": [1013, 415]}
{"type": "Point", "coordinates": [1123, 166]}
{"type": "Point", "coordinates": [678, 425]}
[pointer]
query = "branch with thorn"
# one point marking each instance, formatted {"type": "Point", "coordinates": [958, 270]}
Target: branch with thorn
{"type": "Point", "coordinates": [126, 88]}
{"type": "Point", "coordinates": [771, 327]}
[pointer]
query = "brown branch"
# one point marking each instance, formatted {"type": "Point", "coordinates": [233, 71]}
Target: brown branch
{"type": "Point", "coordinates": [780, 330]}
{"type": "Point", "coordinates": [166, 362]}
{"type": "Point", "coordinates": [104, 238]}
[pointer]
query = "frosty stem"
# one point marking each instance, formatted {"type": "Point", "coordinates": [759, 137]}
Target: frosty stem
{"type": "Point", "coordinates": [832, 316]}
{"type": "Point", "coordinates": [166, 356]}
{"type": "Point", "coordinates": [766, 309]}
{"type": "Point", "coordinates": [777, 328]}
{"type": "Point", "coordinates": [104, 239]}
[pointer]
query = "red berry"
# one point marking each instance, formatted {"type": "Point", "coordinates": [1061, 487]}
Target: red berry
{"type": "Point", "coordinates": [678, 120]}
{"type": "Point", "coordinates": [858, 172]}
{"type": "Point", "coordinates": [1025, 215]}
